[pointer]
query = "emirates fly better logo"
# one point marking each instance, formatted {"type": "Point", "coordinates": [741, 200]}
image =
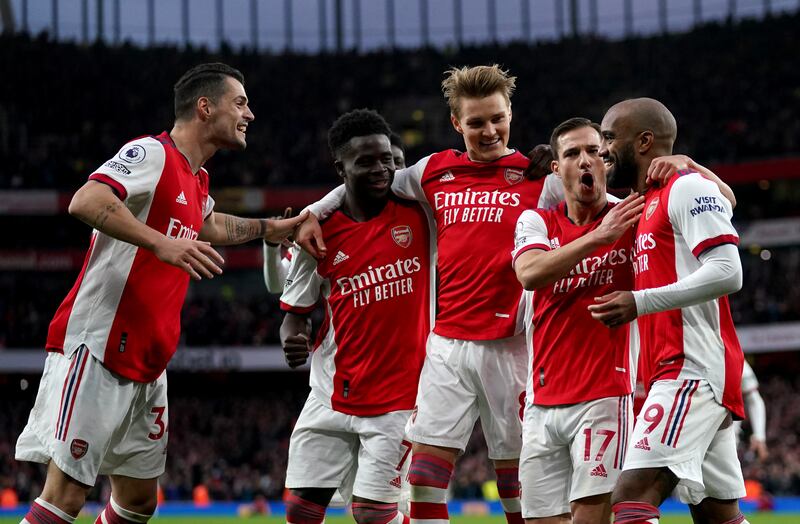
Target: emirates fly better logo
{"type": "Point", "coordinates": [402, 235]}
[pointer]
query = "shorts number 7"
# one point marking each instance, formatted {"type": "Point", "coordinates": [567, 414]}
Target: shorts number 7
{"type": "Point", "coordinates": [407, 445]}
{"type": "Point", "coordinates": [587, 450]}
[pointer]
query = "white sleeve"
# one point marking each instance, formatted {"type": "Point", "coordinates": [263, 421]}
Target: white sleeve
{"type": "Point", "coordinates": [408, 182]}
{"type": "Point", "coordinates": [324, 207]}
{"type": "Point", "coordinates": [720, 274]}
{"type": "Point", "coordinates": [749, 380]}
{"type": "Point", "coordinates": [275, 268]}
{"type": "Point", "coordinates": [302, 290]}
{"type": "Point", "coordinates": [134, 171]}
{"type": "Point", "coordinates": [552, 192]}
{"type": "Point", "coordinates": [530, 233]}
{"type": "Point", "coordinates": [700, 213]}
{"type": "Point", "coordinates": [756, 411]}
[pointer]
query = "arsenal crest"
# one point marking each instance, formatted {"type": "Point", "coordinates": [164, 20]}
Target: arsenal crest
{"type": "Point", "coordinates": [514, 176]}
{"type": "Point", "coordinates": [651, 209]}
{"type": "Point", "coordinates": [402, 235]}
{"type": "Point", "coordinates": [78, 448]}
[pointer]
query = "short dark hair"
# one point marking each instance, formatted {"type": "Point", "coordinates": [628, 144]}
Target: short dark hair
{"type": "Point", "coordinates": [360, 122]}
{"type": "Point", "coordinates": [568, 125]}
{"type": "Point", "coordinates": [396, 141]}
{"type": "Point", "coordinates": [203, 80]}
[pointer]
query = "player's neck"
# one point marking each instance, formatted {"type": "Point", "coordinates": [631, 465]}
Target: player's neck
{"type": "Point", "coordinates": [582, 214]}
{"type": "Point", "coordinates": [507, 152]}
{"type": "Point", "coordinates": [362, 210]}
{"type": "Point", "coordinates": [190, 142]}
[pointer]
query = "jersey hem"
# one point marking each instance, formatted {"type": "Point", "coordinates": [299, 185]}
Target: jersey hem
{"type": "Point", "coordinates": [709, 243]}
{"type": "Point", "coordinates": [118, 188]}
{"type": "Point", "coordinates": [473, 335]}
{"type": "Point", "coordinates": [580, 400]}
{"type": "Point", "coordinates": [528, 247]}
{"type": "Point", "coordinates": [297, 310]}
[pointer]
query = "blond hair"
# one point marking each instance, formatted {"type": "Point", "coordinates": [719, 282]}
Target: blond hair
{"type": "Point", "coordinates": [476, 82]}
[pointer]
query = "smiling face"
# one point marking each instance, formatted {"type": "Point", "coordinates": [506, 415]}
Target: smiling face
{"type": "Point", "coordinates": [485, 124]}
{"type": "Point", "coordinates": [579, 165]}
{"type": "Point", "coordinates": [229, 116]}
{"type": "Point", "coordinates": [367, 167]}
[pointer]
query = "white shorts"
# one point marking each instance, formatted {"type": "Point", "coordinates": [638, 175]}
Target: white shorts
{"type": "Point", "coordinates": [571, 452]}
{"type": "Point", "coordinates": [329, 449]}
{"type": "Point", "coordinates": [679, 428]}
{"type": "Point", "coordinates": [90, 421]}
{"type": "Point", "coordinates": [464, 379]}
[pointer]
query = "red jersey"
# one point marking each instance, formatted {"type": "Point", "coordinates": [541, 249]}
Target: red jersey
{"type": "Point", "coordinates": [476, 206]}
{"type": "Point", "coordinates": [376, 286]}
{"type": "Point", "coordinates": [575, 358]}
{"type": "Point", "coordinates": [125, 305]}
{"type": "Point", "coordinates": [681, 220]}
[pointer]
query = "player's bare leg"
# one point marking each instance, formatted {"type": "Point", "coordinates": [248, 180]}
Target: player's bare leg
{"type": "Point", "coordinates": [508, 487]}
{"type": "Point", "coordinates": [555, 519]}
{"type": "Point", "coordinates": [592, 510]}
{"type": "Point", "coordinates": [639, 493]}
{"type": "Point", "coordinates": [132, 501]}
{"type": "Point", "coordinates": [308, 505]}
{"type": "Point", "coordinates": [716, 511]}
{"type": "Point", "coordinates": [61, 500]}
{"type": "Point", "coordinates": [367, 511]}
{"type": "Point", "coordinates": [429, 477]}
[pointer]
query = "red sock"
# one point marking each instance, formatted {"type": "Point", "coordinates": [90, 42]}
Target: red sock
{"type": "Point", "coordinates": [429, 477]}
{"type": "Point", "coordinates": [301, 511]}
{"type": "Point", "coordinates": [635, 513]}
{"type": "Point", "coordinates": [38, 514]}
{"type": "Point", "coordinates": [374, 513]}
{"type": "Point", "coordinates": [738, 519]}
{"type": "Point", "coordinates": [508, 488]}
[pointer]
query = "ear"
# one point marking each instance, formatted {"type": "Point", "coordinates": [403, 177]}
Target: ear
{"type": "Point", "coordinates": [339, 165]}
{"type": "Point", "coordinates": [554, 168]}
{"type": "Point", "coordinates": [510, 113]}
{"type": "Point", "coordinates": [203, 107]}
{"type": "Point", "coordinates": [456, 124]}
{"type": "Point", "coordinates": [646, 142]}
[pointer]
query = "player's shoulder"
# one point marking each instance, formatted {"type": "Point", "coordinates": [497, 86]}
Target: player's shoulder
{"type": "Point", "coordinates": [687, 179]}
{"type": "Point", "coordinates": [537, 216]}
{"type": "Point", "coordinates": [143, 150]}
{"type": "Point", "coordinates": [690, 188]}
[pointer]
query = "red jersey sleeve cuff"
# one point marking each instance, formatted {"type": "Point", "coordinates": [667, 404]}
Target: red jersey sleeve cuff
{"type": "Point", "coordinates": [118, 188]}
{"type": "Point", "coordinates": [523, 249]}
{"type": "Point", "coordinates": [298, 310]}
{"type": "Point", "coordinates": [709, 243]}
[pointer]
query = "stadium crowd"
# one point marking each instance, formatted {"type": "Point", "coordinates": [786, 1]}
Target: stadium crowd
{"type": "Point", "coordinates": [53, 145]}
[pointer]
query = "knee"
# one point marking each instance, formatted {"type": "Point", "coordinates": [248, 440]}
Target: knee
{"type": "Point", "coordinates": [143, 506]}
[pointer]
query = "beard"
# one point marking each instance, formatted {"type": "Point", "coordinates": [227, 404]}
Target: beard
{"type": "Point", "coordinates": [623, 172]}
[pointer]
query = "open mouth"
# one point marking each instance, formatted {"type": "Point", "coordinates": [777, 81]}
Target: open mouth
{"type": "Point", "coordinates": [378, 183]}
{"type": "Point", "coordinates": [490, 144]}
{"type": "Point", "coordinates": [242, 128]}
{"type": "Point", "coordinates": [587, 180]}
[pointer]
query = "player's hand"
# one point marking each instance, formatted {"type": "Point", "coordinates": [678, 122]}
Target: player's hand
{"type": "Point", "coordinates": [296, 349]}
{"type": "Point", "coordinates": [195, 257]}
{"type": "Point", "coordinates": [759, 447]}
{"type": "Point", "coordinates": [664, 167]}
{"type": "Point", "coordinates": [309, 237]}
{"type": "Point", "coordinates": [279, 230]}
{"type": "Point", "coordinates": [620, 219]}
{"type": "Point", "coordinates": [614, 309]}
{"type": "Point", "coordinates": [540, 157]}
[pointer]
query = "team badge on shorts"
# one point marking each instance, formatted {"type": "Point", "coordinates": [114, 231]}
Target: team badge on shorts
{"type": "Point", "coordinates": [514, 176]}
{"type": "Point", "coordinates": [651, 209]}
{"type": "Point", "coordinates": [402, 235]}
{"type": "Point", "coordinates": [78, 448]}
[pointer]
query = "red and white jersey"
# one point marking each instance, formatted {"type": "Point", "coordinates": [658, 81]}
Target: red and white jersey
{"type": "Point", "coordinates": [565, 336]}
{"type": "Point", "coordinates": [125, 306]}
{"type": "Point", "coordinates": [377, 291]}
{"type": "Point", "coordinates": [476, 206]}
{"type": "Point", "coordinates": [681, 220]}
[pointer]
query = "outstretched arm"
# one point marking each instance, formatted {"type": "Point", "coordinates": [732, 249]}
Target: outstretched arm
{"type": "Point", "coordinates": [662, 168]}
{"type": "Point", "coordinates": [221, 229]}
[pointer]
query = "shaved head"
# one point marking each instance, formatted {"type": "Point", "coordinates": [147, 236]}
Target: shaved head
{"type": "Point", "coordinates": [646, 114]}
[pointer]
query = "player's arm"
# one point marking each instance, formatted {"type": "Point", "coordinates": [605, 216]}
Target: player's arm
{"type": "Point", "coordinates": [221, 229]}
{"type": "Point", "coordinates": [276, 268]}
{"type": "Point", "coordinates": [298, 300]}
{"type": "Point", "coordinates": [757, 414]}
{"type": "Point", "coordinates": [662, 168]}
{"type": "Point", "coordinates": [541, 266]}
{"type": "Point", "coordinates": [712, 239]}
{"type": "Point", "coordinates": [296, 338]}
{"type": "Point", "coordinates": [98, 205]}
